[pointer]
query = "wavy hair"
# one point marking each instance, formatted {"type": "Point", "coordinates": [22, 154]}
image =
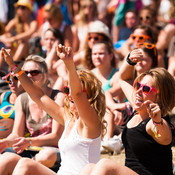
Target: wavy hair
{"type": "Point", "coordinates": [95, 96]}
{"type": "Point", "coordinates": [165, 84]}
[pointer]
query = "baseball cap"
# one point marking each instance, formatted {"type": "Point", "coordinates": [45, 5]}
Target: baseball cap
{"type": "Point", "coordinates": [26, 3]}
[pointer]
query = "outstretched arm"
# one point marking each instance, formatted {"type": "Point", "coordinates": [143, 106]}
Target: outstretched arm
{"type": "Point", "coordinates": [127, 72]}
{"type": "Point", "coordinates": [86, 112]}
{"type": "Point", "coordinates": [36, 93]}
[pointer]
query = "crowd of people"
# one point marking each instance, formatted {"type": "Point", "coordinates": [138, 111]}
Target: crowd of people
{"type": "Point", "coordinates": [82, 78]}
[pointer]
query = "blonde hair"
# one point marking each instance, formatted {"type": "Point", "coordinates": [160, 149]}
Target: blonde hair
{"type": "Point", "coordinates": [94, 94]}
{"type": "Point", "coordinates": [165, 85]}
{"type": "Point", "coordinates": [39, 60]}
{"type": "Point", "coordinates": [54, 11]}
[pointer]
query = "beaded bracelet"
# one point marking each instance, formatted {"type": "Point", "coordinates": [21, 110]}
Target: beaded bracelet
{"type": "Point", "coordinates": [158, 123]}
{"type": "Point", "coordinates": [129, 61]}
{"type": "Point", "coordinates": [14, 68]}
{"type": "Point", "coordinates": [30, 141]}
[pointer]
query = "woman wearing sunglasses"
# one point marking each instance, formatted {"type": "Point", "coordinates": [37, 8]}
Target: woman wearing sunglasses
{"type": "Point", "coordinates": [7, 106]}
{"type": "Point", "coordinates": [82, 117]}
{"type": "Point", "coordinates": [20, 29]}
{"type": "Point", "coordinates": [32, 125]}
{"type": "Point", "coordinates": [147, 137]}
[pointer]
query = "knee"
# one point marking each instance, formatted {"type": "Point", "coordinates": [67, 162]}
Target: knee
{"type": "Point", "coordinates": [24, 162]}
{"type": "Point", "coordinates": [46, 157]}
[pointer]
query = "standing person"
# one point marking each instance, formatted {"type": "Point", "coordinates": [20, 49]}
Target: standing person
{"type": "Point", "coordinates": [31, 120]}
{"type": "Point", "coordinates": [82, 118]}
{"type": "Point", "coordinates": [147, 137]}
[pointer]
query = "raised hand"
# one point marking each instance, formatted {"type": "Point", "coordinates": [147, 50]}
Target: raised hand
{"type": "Point", "coordinates": [136, 55]}
{"type": "Point", "coordinates": [153, 110]}
{"type": "Point", "coordinates": [6, 54]}
{"type": "Point", "coordinates": [64, 53]}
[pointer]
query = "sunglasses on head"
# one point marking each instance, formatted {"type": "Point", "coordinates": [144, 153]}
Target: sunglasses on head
{"type": "Point", "coordinates": [96, 38]}
{"type": "Point", "coordinates": [140, 37]}
{"type": "Point", "coordinates": [146, 17]}
{"type": "Point", "coordinates": [145, 88]}
{"type": "Point", "coordinates": [33, 72]}
{"type": "Point", "coordinates": [148, 46]}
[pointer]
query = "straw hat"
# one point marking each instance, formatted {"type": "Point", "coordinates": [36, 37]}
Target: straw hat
{"type": "Point", "coordinates": [26, 3]}
{"type": "Point", "coordinates": [99, 27]}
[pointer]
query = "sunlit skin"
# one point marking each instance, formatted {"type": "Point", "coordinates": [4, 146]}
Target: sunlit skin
{"type": "Point", "coordinates": [100, 55]}
{"type": "Point", "coordinates": [49, 40]}
{"type": "Point", "coordinates": [138, 32]}
{"type": "Point", "coordinates": [23, 13]}
{"type": "Point", "coordinates": [52, 22]}
{"type": "Point", "coordinates": [92, 41]}
{"type": "Point", "coordinates": [146, 21]}
{"type": "Point", "coordinates": [130, 20]}
{"type": "Point", "coordinates": [144, 64]}
{"type": "Point", "coordinates": [140, 97]}
{"type": "Point", "coordinates": [30, 65]}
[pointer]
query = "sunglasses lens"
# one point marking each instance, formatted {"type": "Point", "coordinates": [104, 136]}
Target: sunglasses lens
{"type": "Point", "coordinates": [141, 38]}
{"type": "Point", "coordinates": [138, 85]}
{"type": "Point", "coordinates": [96, 38]}
{"type": "Point", "coordinates": [89, 38]}
{"type": "Point", "coordinates": [15, 78]}
{"type": "Point", "coordinates": [146, 89]}
{"type": "Point", "coordinates": [133, 37]}
{"type": "Point", "coordinates": [33, 72]}
{"type": "Point", "coordinates": [66, 90]}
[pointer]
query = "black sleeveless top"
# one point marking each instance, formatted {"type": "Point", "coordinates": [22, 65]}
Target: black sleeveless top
{"type": "Point", "coordinates": [143, 154]}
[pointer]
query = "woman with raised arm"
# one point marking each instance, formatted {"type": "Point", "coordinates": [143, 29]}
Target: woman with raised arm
{"type": "Point", "coordinates": [82, 117]}
{"type": "Point", "coordinates": [147, 137]}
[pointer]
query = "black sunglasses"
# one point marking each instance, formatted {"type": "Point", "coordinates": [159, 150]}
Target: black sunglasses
{"type": "Point", "coordinates": [22, 7]}
{"type": "Point", "coordinates": [33, 72]}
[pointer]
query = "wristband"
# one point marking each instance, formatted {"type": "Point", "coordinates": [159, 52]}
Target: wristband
{"type": "Point", "coordinates": [19, 73]}
{"type": "Point", "coordinates": [14, 68]}
{"type": "Point", "coordinates": [129, 61]}
{"type": "Point", "coordinates": [30, 142]}
{"type": "Point", "coordinates": [158, 123]}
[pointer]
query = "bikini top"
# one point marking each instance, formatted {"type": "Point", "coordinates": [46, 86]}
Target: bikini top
{"type": "Point", "coordinates": [7, 110]}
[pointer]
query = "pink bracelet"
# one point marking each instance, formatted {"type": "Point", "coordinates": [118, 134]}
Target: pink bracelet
{"type": "Point", "coordinates": [15, 67]}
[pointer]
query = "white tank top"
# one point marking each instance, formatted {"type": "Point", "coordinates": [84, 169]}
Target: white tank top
{"type": "Point", "coordinates": [76, 151]}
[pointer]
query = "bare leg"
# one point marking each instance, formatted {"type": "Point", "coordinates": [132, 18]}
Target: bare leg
{"type": "Point", "coordinates": [28, 166]}
{"type": "Point", "coordinates": [87, 169]}
{"type": "Point", "coordinates": [8, 162]}
{"type": "Point", "coordinates": [106, 167]}
{"type": "Point", "coordinates": [47, 157]}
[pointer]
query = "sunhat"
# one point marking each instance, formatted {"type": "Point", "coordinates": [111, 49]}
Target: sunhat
{"type": "Point", "coordinates": [99, 27]}
{"type": "Point", "coordinates": [26, 3]}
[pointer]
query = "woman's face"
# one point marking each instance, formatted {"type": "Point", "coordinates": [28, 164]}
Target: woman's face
{"type": "Point", "coordinates": [146, 18]}
{"type": "Point", "coordinates": [140, 97]}
{"type": "Point", "coordinates": [34, 72]}
{"type": "Point", "coordinates": [100, 55]}
{"type": "Point", "coordinates": [93, 38]}
{"type": "Point", "coordinates": [49, 40]}
{"type": "Point", "coordinates": [139, 33]}
{"type": "Point", "coordinates": [49, 19]}
{"type": "Point", "coordinates": [145, 64]}
{"type": "Point", "coordinates": [22, 11]}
